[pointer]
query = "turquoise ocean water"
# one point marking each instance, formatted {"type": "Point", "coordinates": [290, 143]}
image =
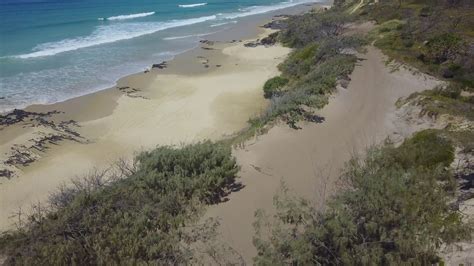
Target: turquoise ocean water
{"type": "Point", "coordinates": [52, 50]}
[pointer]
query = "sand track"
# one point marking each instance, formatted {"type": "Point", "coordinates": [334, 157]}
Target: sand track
{"type": "Point", "coordinates": [309, 160]}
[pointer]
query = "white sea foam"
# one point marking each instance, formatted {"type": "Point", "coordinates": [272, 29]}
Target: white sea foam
{"type": "Point", "coordinates": [108, 34]}
{"type": "Point", "coordinates": [255, 10]}
{"type": "Point", "coordinates": [223, 23]}
{"type": "Point", "coordinates": [187, 36]}
{"type": "Point", "coordinates": [131, 16]}
{"type": "Point", "coordinates": [123, 31]}
{"type": "Point", "coordinates": [192, 5]}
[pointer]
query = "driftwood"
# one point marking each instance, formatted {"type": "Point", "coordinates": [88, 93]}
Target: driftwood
{"type": "Point", "coordinates": [20, 156]}
{"type": "Point", "coordinates": [17, 116]}
{"type": "Point", "coordinates": [23, 155]}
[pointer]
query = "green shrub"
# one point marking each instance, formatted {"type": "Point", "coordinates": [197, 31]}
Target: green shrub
{"type": "Point", "coordinates": [391, 25]}
{"type": "Point", "coordinates": [312, 71]}
{"type": "Point", "coordinates": [299, 62]}
{"type": "Point", "coordinates": [426, 35]}
{"type": "Point", "coordinates": [310, 28]}
{"type": "Point", "coordinates": [323, 77]}
{"type": "Point", "coordinates": [273, 86]}
{"type": "Point", "coordinates": [425, 149]}
{"type": "Point", "coordinates": [145, 217]}
{"type": "Point", "coordinates": [443, 47]}
{"type": "Point", "coordinates": [392, 211]}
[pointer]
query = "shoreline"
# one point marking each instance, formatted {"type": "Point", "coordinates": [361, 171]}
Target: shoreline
{"type": "Point", "coordinates": [183, 103]}
{"type": "Point", "coordinates": [246, 29]}
{"type": "Point", "coordinates": [250, 23]}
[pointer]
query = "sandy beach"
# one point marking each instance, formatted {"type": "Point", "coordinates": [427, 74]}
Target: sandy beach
{"type": "Point", "coordinates": [207, 93]}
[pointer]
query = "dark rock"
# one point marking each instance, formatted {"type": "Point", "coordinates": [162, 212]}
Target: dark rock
{"type": "Point", "coordinates": [161, 65]}
{"type": "Point", "coordinates": [207, 42]}
{"type": "Point", "coordinates": [276, 25]}
{"type": "Point", "coordinates": [267, 41]}
{"type": "Point", "coordinates": [218, 65]}
{"type": "Point", "coordinates": [270, 39]}
{"type": "Point", "coordinates": [251, 44]}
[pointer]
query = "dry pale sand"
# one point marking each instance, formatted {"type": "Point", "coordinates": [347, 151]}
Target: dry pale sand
{"type": "Point", "coordinates": [308, 161]}
{"type": "Point", "coordinates": [179, 108]}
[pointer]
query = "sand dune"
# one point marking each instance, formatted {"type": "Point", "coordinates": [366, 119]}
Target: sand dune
{"type": "Point", "coordinates": [308, 161]}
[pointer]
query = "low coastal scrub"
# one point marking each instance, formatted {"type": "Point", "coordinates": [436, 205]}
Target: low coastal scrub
{"type": "Point", "coordinates": [397, 205]}
{"type": "Point", "coordinates": [454, 104]}
{"type": "Point", "coordinates": [320, 58]}
{"type": "Point", "coordinates": [394, 209]}
{"type": "Point", "coordinates": [143, 214]}
{"type": "Point", "coordinates": [435, 36]}
{"type": "Point", "coordinates": [273, 87]}
{"type": "Point", "coordinates": [447, 99]}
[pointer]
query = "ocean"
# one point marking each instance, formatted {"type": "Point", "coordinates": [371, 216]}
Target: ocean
{"type": "Point", "coordinates": [53, 50]}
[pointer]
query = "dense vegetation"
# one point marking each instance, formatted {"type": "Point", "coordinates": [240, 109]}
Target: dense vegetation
{"type": "Point", "coordinates": [142, 214]}
{"type": "Point", "coordinates": [393, 210]}
{"type": "Point", "coordinates": [310, 73]}
{"type": "Point", "coordinates": [273, 86]}
{"type": "Point", "coordinates": [435, 36]}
